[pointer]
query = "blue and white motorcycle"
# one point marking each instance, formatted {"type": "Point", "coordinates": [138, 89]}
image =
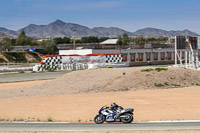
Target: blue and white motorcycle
{"type": "Point", "coordinates": [110, 115]}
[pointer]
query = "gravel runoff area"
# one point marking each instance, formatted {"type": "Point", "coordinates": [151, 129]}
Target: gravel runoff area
{"type": "Point", "coordinates": [109, 80]}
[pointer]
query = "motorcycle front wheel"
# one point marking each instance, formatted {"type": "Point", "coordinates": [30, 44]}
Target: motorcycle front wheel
{"type": "Point", "coordinates": [127, 118]}
{"type": "Point", "coordinates": [99, 119]}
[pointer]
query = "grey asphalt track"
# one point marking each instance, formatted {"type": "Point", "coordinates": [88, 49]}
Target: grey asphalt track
{"type": "Point", "coordinates": [30, 76]}
{"type": "Point", "coordinates": [99, 127]}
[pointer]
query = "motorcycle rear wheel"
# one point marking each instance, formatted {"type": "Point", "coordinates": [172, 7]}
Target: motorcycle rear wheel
{"type": "Point", "coordinates": [129, 120]}
{"type": "Point", "coordinates": [99, 119]}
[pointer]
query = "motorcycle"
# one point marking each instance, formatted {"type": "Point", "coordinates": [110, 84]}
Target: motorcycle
{"type": "Point", "coordinates": [109, 115]}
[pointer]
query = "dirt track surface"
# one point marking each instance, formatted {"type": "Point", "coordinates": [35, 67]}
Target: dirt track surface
{"type": "Point", "coordinates": [77, 96]}
{"type": "Point", "coordinates": [149, 105]}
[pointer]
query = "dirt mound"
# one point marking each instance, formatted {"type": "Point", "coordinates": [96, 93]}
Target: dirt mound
{"type": "Point", "coordinates": [3, 57]}
{"type": "Point", "coordinates": [110, 79]}
{"type": "Point", "coordinates": [31, 58]}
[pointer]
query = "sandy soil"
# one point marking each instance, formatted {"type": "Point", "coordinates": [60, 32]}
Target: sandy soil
{"type": "Point", "coordinates": [149, 105]}
{"type": "Point", "coordinates": [77, 96]}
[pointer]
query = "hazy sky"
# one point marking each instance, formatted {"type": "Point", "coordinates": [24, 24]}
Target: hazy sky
{"type": "Point", "coordinates": [126, 14]}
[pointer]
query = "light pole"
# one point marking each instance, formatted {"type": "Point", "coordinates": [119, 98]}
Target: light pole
{"type": "Point", "coordinates": [74, 36]}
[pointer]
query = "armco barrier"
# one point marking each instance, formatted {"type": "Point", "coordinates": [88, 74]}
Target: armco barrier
{"type": "Point", "coordinates": [2, 70]}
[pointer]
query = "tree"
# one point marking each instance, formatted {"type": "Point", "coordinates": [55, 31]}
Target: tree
{"type": "Point", "coordinates": [125, 39]}
{"type": "Point", "coordinates": [23, 40]}
{"type": "Point", "coordinates": [66, 40]}
{"type": "Point", "coordinates": [50, 46]}
{"type": "Point", "coordinates": [90, 39]}
{"type": "Point", "coordinates": [120, 42]}
{"type": "Point", "coordinates": [63, 40]}
{"type": "Point", "coordinates": [6, 44]}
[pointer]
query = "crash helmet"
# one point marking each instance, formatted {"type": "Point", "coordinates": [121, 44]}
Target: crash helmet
{"type": "Point", "coordinates": [113, 104]}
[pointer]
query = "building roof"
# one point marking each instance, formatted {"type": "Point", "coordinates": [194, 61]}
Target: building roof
{"type": "Point", "coordinates": [110, 41]}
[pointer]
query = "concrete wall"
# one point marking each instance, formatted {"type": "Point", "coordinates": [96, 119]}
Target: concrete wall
{"type": "Point", "coordinates": [138, 57]}
{"type": "Point", "coordinates": [79, 52]}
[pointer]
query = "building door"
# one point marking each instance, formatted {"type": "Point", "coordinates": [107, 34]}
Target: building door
{"type": "Point", "coordinates": [169, 56]}
{"type": "Point", "coordinates": [124, 57]}
{"type": "Point", "coordinates": [148, 57]}
{"type": "Point", "coordinates": [140, 57]}
{"type": "Point", "coordinates": [132, 57]}
{"type": "Point", "coordinates": [155, 56]}
{"type": "Point", "coordinates": [162, 56]}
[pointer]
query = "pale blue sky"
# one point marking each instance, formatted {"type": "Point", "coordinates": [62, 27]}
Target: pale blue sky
{"type": "Point", "coordinates": [126, 14]}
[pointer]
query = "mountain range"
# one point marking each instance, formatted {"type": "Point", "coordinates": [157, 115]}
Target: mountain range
{"type": "Point", "coordinates": [59, 28]}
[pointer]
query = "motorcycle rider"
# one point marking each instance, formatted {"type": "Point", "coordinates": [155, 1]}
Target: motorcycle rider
{"type": "Point", "coordinates": [116, 108]}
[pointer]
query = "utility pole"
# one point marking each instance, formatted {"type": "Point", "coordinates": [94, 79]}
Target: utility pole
{"type": "Point", "coordinates": [74, 36]}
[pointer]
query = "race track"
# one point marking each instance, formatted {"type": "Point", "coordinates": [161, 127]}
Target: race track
{"type": "Point", "coordinates": [100, 127]}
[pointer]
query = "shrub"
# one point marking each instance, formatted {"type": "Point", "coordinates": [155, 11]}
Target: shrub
{"type": "Point", "coordinates": [147, 70]}
{"type": "Point", "coordinates": [166, 84]}
{"type": "Point", "coordinates": [109, 67]}
{"type": "Point", "coordinates": [159, 85]}
{"type": "Point", "coordinates": [21, 72]}
{"type": "Point", "coordinates": [161, 69]}
{"type": "Point", "coordinates": [175, 85]}
{"type": "Point", "coordinates": [49, 119]}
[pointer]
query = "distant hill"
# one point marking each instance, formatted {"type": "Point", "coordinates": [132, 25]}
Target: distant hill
{"type": "Point", "coordinates": [8, 32]}
{"type": "Point", "coordinates": [160, 32]}
{"type": "Point", "coordinates": [59, 28]}
{"type": "Point", "coordinates": [111, 32]}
